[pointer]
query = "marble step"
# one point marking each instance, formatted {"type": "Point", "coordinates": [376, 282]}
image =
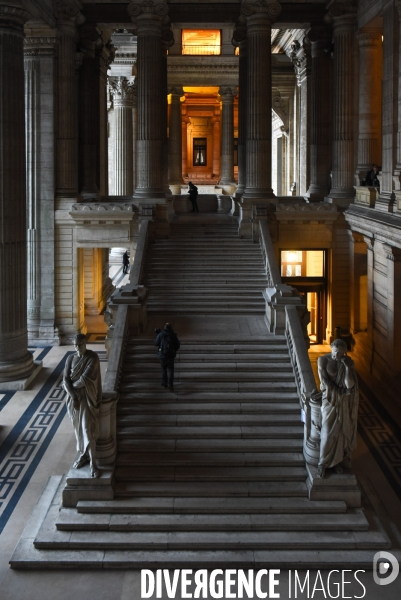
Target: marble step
{"type": "Point", "coordinates": [160, 420]}
{"type": "Point", "coordinates": [199, 310]}
{"type": "Point", "coordinates": [71, 520]}
{"type": "Point", "coordinates": [211, 489]}
{"type": "Point", "coordinates": [208, 473]}
{"type": "Point", "coordinates": [208, 505]}
{"type": "Point", "coordinates": [208, 432]}
{"type": "Point", "coordinates": [269, 345]}
{"type": "Point", "coordinates": [253, 400]}
{"type": "Point", "coordinates": [186, 388]}
{"type": "Point", "coordinates": [184, 357]}
{"type": "Point", "coordinates": [212, 459]}
{"type": "Point", "coordinates": [234, 366]}
{"type": "Point", "coordinates": [160, 444]}
{"type": "Point", "coordinates": [223, 540]}
{"type": "Point", "coordinates": [220, 411]}
{"type": "Point", "coordinates": [199, 377]}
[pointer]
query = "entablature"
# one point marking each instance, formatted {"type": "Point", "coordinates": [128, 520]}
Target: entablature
{"type": "Point", "coordinates": [374, 224]}
{"type": "Point", "coordinates": [306, 212]}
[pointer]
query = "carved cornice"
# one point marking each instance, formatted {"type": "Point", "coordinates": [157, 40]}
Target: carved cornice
{"type": "Point", "coordinates": [306, 212]}
{"type": "Point", "coordinates": [40, 46]}
{"type": "Point", "coordinates": [267, 8]}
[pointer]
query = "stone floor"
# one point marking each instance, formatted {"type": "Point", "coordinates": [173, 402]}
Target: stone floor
{"type": "Point", "coordinates": [36, 441]}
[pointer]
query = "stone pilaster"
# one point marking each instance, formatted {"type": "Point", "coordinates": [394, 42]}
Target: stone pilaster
{"type": "Point", "coordinates": [369, 241]}
{"type": "Point", "coordinates": [39, 50]}
{"type": "Point", "coordinates": [216, 146]}
{"type": "Point", "coordinates": [343, 16]}
{"type": "Point", "coordinates": [397, 170]}
{"type": "Point", "coordinates": [369, 125]}
{"type": "Point", "coordinates": [15, 360]}
{"type": "Point", "coordinates": [123, 99]}
{"type": "Point", "coordinates": [184, 129]}
{"type": "Point", "coordinates": [148, 15]}
{"type": "Point", "coordinates": [166, 42]}
{"type": "Point", "coordinates": [300, 55]}
{"type": "Point", "coordinates": [68, 16]}
{"type": "Point", "coordinates": [227, 138]}
{"type": "Point", "coordinates": [239, 40]}
{"type": "Point", "coordinates": [320, 116]}
{"type": "Point", "coordinates": [105, 57]}
{"type": "Point", "coordinates": [175, 141]}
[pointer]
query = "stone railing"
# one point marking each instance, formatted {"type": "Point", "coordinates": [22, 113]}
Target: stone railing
{"type": "Point", "coordinates": [366, 196]}
{"type": "Point", "coordinates": [266, 245]}
{"type": "Point", "coordinates": [309, 397]}
{"type": "Point", "coordinates": [133, 294]}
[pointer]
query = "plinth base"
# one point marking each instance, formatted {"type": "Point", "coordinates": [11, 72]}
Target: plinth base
{"type": "Point", "coordinates": [81, 486]}
{"type": "Point", "coordinates": [21, 384]}
{"type": "Point", "coordinates": [333, 486]}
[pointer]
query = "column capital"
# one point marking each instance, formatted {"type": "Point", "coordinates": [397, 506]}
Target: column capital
{"type": "Point", "coordinates": [269, 9]}
{"type": "Point", "coordinates": [300, 54]}
{"type": "Point", "coordinates": [13, 16]}
{"type": "Point", "coordinates": [176, 90]}
{"type": "Point", "coordinates": [369, 37]}
{"type": "Point", "coordinates": [122, 90]}
{"type": "Point", "coordinates": [147, 7]}
{"type": "Point", "coordinates": [239, 33]}
{"type": "Point", "coordinates": [227, 93]}
{"type": "Point", "coordinates": [342, 15]}
{"type": "Point", "coordinates": [69, 15]}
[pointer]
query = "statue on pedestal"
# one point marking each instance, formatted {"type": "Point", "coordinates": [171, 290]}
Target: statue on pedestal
{"type": "Point", "coordinates": [83, 385]}
{"type": "Point", "coordinates": [338, 433]}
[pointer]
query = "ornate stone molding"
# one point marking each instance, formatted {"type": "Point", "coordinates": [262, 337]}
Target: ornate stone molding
{"type": "Point", "coordinates": [342, 15]}
{"type": "Point", "coordinates": [369, 38]}
{"type": "Point", "coordinates": [300, 54]}
{"type": "Point", "coordinates": [281, 108]}
{"type": "Point", "coordinates": [40, 46]}
{"type": "Point", "coordinates": [13, 16]}
{"type": "Point", "coordinates": [392, 253]}
{"type": "Point", "coordinates": [310, 207]}
{"type": "Point", "coordinates": [227, 93]}
{"type": "Point", "coordinates": [101, 208]}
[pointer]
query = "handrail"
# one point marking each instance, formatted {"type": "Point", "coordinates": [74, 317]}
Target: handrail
{"type": "Point", "coordinates": [272, 270]}
{"type": "Point", "coordinates": [110, 385]}
{"type": "Point", "coordinates": [140, 254]}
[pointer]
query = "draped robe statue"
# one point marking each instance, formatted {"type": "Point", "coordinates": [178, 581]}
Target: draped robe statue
{"type": "Point", "coordinates": [339, 384]}
{"type": "Point", "coordinates": [83, 385]}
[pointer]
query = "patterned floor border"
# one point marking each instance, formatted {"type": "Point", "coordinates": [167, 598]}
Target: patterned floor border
{"type": "Point", "coordinates": [25, 445]}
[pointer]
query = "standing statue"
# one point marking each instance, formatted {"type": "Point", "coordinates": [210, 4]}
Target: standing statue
{"type": "Point", "coordinates": [339, 384]}
{"type": "Point", "coordinates": [83, 385]}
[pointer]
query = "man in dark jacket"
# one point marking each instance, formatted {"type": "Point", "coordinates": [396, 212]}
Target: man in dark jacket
{"type": "Point", "coordinates": [168, 344]}
{"type": "Point", "coordinates": [193, 195]}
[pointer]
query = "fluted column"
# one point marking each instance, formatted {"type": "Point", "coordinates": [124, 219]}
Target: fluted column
{"type": "Point", "coordinates": [239, 39]}
{"type": "Point", "coordinates": [320, 116]}
{"type": "Point", "coordinates": [343, 163]}
{"type": "Point", "coordinates": [369, 129]}
{"type": "Point", "coordinates": [15, 360]}
{"type": "Point", "coordinates": [216, 146]}
{"type": "Point", "coordinates": [259, 18]}
{"type": "Point", "coordinates": [106, 56]}
{"type": "Point", "coordinates": [148, 15]}
{"type": "Point", "coordinates": [68, 16]}
{"type": "Point", "coordinates": [89, 122]}
{"type": "Point", "coordinates": [167, 42]}
{"type": "Point", "coordinates": [134, 134]}
{"type": "Point", "coordinates": [227, 137]}
{"type": "Point", "coordinates": [397, 169]}
{"type": "Point", "coordinates": [175, 141]}
{"type": "Point", "coordinates": [123, 93]}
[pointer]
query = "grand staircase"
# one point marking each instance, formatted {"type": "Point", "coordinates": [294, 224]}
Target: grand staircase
{"type": "Point", "coordinates": [212, 474]}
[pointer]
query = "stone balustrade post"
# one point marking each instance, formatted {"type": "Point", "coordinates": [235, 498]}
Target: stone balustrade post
{"type": "Point", "coordinates": [152, 98]}
{"type": "Point", "coordinates": [369, 125]}
{"type": "Point", "coordinates": [15, 361]}
{"type": "Point", "coordinates": [175, 141]}
{"type": "Point", "coordinates": [227, 138]}
{"type": "Point", "coordinates": [320, 148]}
{"type": "Point", "coordinates": [343, 17]}
{"type": "Point", "coordinates": [122, 91]}
{"type": "Point", "coordinates": [259, 16]}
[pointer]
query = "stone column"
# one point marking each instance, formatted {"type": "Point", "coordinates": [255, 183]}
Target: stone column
{"type": "Point", "coordinates": [301, 57]}
{"type": "Point", "coordinates": [39, 51]}
{"type": "Point", "coordinates": [392, 354]}
{"type": "Point", "coordinates": [105, 58]}
{"type": "Point", "coordinates": [89, 120]}
{"type": "Point", "coordinates": [343, 165]}
{"type": "Point", "coordinates": [216, 146]}
{"type": "Point", "coordinates": [369, 130]}
{"type": "Point", "coordinates": [15, 360]}
{"type": "Point", "coordinates": [134, 134]}
{"type": "Point", "coordinates": [396, 32]}
{"type": "Point", "coordinates": [320, 116]}
{"type": "Point", "coordinates": [239, 39]}
{"type": "Point", "coordinates": [68, 16]}
{"type": "Point", "coordinates": [259, 18]}
{"type": "Point", "coordinates": [166, 42]}
{"type": "Point", "coordinates": [151, 93]}
{"type": "Point", "coordinates": [122, 90]}
{"type": "Point", "coordinates": [227, 139]}
{"type": "Point", "coordinates": [370, 269]}
{"type": "Point", "coordinates": [184, 129]}
{"type": "Point", "coordinates": [175, 141]}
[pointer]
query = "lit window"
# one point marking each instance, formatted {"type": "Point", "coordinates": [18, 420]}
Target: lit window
{"type": "Point", "coordinates": [302, 263]}
{"type": "Point", "coordinates": [199, 149]}
{"type": "Point", "coordinates": [201, 41]}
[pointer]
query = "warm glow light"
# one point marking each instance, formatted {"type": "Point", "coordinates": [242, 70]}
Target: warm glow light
{"type": "Point", "coordinates": [210, 90]}
{"type": "Point", "coordinates": [292, 257]}
{"type": "Point", "coordinates": [201, 41]}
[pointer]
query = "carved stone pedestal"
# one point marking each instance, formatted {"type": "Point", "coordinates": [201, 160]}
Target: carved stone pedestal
{"type": "Point", "coordinates": [333, 486]}
{"type": "Point", "coordinates": [81, 486]}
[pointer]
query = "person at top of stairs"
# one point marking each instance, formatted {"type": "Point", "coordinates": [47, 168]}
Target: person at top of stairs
{"type": "Point", "coordinates": [168, 345]}
{"type": "Point", "coordinates": [193, 195]}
